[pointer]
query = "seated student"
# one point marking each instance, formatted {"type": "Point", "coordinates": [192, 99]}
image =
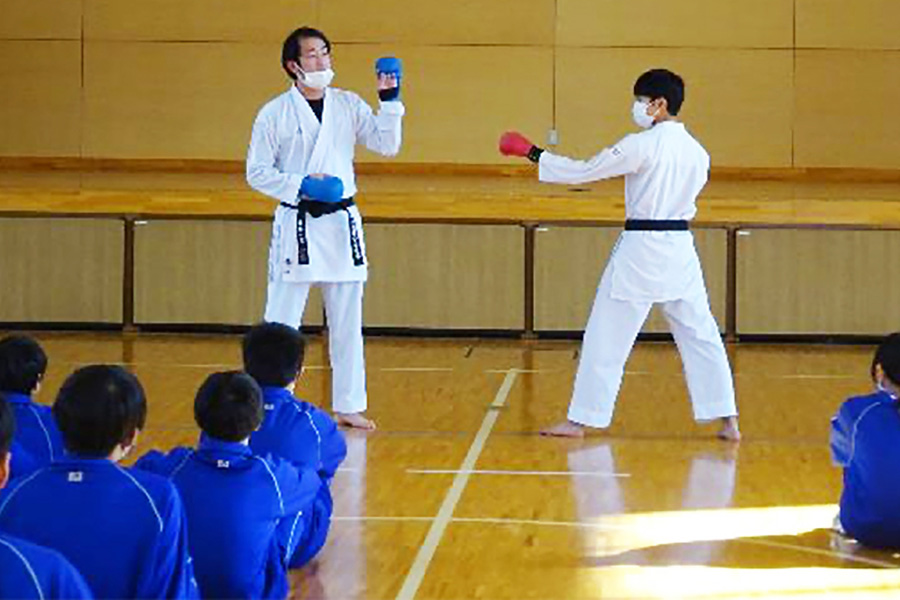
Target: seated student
{"type": "Point", "coordinates": [865, 441]}
{"type": "Point", "coordinates": [293, 429]}
{"type": "Point", "coordinates": [245, 512]}
{"type": "Point", "coordinates": [22, 367]}
{"type": "Point", "coordinates": [124, 530]}
{"type": "Point", "coordinates": [27, 570]}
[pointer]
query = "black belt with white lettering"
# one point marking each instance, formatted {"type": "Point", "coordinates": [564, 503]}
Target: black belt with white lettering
{"type": "Point", "coordinates": [655, 225]}
{"type": "Point", "coordinates": [317, 209]}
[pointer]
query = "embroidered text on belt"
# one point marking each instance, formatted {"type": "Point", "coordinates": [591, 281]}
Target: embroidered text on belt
{"type": "Point", "coordinates": [655, 225]}
{"type": "Point", "coordinates": [317, 209]}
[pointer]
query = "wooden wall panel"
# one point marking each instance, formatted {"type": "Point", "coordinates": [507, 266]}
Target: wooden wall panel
{"type": "Point", "coordinates": [267, 21]}
{"type": "Point", "coordinates": [40, 107]}
{"type": "Point", "coordinates": [40, 19]}
{"type": "Point", "coordinates": [868, 24]}
{"type": "Point", "coordinates": [817, 282]}
{"type": "Point", "coordinates": [176, 100]}
{"type": "Point", "coordinates": [570, 260]}
{"type": "Point", "coordinates": [434, 22]}
{"type": "Point", "coordinates": [61, 270]}
{"type": "Point", "coordinates": [686, 23]}
{"type": "Point", "coordinates": [844, 112]}
{"type": "Point", "coordinates": [206, 272]}
{"type": "Point", "coordinates": [739, 103]}
{"type": "Point", "coordinates": [456, 113]}
{"type": "Point", "coordinates": [445, 276]}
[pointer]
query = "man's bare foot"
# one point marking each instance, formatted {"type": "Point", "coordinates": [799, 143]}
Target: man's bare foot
{"type": "Point", "coordinates": [354, 421]}
{"type": "Point", "coordinates": [565, 429]}
{"type": "Point", "coordinates": [729, 431]}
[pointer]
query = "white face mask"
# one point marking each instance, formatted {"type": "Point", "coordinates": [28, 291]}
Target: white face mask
{"type": "Point", "coordinates": [640, 116]}
{"type": "Point", "coordinates": [318, 80]}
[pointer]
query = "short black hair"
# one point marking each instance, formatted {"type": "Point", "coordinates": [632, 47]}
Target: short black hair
{"type": "Point", "coordinates": [291, 48]}
{"type": "Point", "coordinates": [273, 354]}
{"type": "Point", "coordinates": [22, 364]}
{"type": "Point", "coordinates": [888, 356]}
{"type": "Point", "coordinates": [229, 406]}
{"type": "Point", "coordinates": [99, 407]}
{"type": "Point", "coordinates": [7, 427]}
{"type": "Point", "coordinates": [661, 83]}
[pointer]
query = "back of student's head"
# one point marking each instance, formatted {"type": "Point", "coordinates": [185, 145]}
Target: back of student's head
{"type": "Point", "coordinates": [22, 364]}
{"type": "Point", "coordinates": [99, 407]}
{"type": "Point", "coordinates": [7, 428]}
{"type": "Point", "coordinates": [273, 354]}
{"type": "Point", "coordinates": [661, 83]}
{"type": "Point", "coordinates": [888, 356]}
{"type": "Point", "coordinates": [229, 406]}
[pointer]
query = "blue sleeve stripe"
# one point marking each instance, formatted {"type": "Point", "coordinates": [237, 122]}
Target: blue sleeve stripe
{"type": "Point", "coordinates": [274, 482]}
{"type": "Point", "coordinates": [28, 567]}
{"type": "Point", "coordinates": [318, 438]}
{"type": "Point", "coordinates": [290, 544]}
{"type": "Point", "coordinates": [37, 416]}
{"type": "Point", "coordinates": [146, 494]}
{"type": "Point", "coordinates": [856, 428]}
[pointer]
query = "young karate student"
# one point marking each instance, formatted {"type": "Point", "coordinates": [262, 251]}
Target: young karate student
{"type": "Point", "coordinates": [247, 514]}
{"type": "Point", "coordinates": [291, 429]}
{"type": "Point", "coordinates": [865, 441]}
{"type": "Point", "coordinates": [654, 260]}
{"type": "Point", "coordinates": [23, 364]}
{"type": "Point", "coordinates": [124, 530]}
{"type": "Point", "coordinates": [301, 154]}
{"type": "Point", "coordinates": [27, 570]}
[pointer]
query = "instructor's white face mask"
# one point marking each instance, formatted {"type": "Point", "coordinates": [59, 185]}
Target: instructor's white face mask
{"type": "Point", "coordinates": [640, 116]}
{"type": "Point", "coordinates": [318, 80]}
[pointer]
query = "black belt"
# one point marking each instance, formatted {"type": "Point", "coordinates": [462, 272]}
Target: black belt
{"type": "Point", "coordinates": [655, 225]}
{"type": "Point", "coordinates": [317, 209]}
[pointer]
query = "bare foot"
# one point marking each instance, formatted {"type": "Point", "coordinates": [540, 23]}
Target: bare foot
{"type": "Point", "coordinates": [729, 431]}
{"type": "Point", "coordinates": [354, 421]}
{"type": "Point", "coordinates": [565, 429]}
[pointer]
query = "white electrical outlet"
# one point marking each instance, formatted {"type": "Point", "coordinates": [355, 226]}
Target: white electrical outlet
{"type": "Point", "coordinates": [552, 137]}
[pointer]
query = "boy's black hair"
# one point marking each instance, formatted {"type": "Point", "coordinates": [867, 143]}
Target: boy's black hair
{"type": "Point", "coordinates": [99, 407]}
{"type": "Point", "coordinates": [22, 364]}
{"type": "Point", "coordinates": [229, 406]}
{"type": "Point", "coordinates": [7, 427]}
{"type": "Point", "coordinates": [661, 83]}
{"type": "Point", "coordinates": [273, 354]}
{"type": "Point", "coordinates": [291, 48]}
{"type": "Point", "coordinates": [888, 356]}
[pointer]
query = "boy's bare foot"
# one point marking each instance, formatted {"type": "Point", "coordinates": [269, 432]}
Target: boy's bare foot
{"type": "Point", "coordinates": [354, 421]}
{"type": "Point", "coordinates": [729, 431]}
{"type": "Point", "coordinates": [565, 429]}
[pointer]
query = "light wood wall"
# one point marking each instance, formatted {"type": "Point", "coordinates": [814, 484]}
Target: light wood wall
{"type": "Point", "coordinates": [61, 270]}
{"type": "Point", "coordinates": [568, 264]}
{"type": "Point", "coordinates": [771, 83]}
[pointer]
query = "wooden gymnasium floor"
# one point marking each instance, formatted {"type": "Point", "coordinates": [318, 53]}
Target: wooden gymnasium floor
{"type": "Point", "coordinates": [456, 497]}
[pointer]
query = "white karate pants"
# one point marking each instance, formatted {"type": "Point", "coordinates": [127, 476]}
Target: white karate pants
{"type": "Point", "coordinates": [610, 334]}
{"type": "Point", "coordinates": [285, 303]}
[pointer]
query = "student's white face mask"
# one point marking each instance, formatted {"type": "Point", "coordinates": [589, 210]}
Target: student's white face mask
{"type": "Point", "coordinates": [318, 80]}
{"type": "Point", "coordinates": [640, 116]}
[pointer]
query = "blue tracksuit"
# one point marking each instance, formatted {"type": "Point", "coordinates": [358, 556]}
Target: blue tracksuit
{"type": "Point", "coordinates": [36, 429]}
{"type": "Point", "coordinates": [30, 571]}
{"type": "Point", "coordinates": [299, 432]}
{"type": "Point", "coordinates": [247, 515]}
{"type": "Point", "coordinates": [124, 530]}
{"type": "Point", "coordinates": [865, 440]}
{"type": "Point", "coordinates": [22, 462]}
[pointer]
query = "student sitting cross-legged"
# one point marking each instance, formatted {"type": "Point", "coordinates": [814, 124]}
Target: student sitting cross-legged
{"type": "Point", "coordinates": [124, 530]}
{"type": "Point", "coordinates": [27, 570]}
{"type": "Point", "coordinates": [245, 512]}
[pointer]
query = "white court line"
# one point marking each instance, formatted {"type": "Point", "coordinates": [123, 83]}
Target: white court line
{"type": "Point", "coordinates": [533, 473]}
{"type": "Point", "coordinates": [517, 371]}
{"type": "Point", "coordinates": [820, 552]}
{"type": "Point", "coordinates": [388, 519]}
{"type": "Point", "coordinates": [439, 525]}
{"type": "Point", "coordinates": [417, 369]}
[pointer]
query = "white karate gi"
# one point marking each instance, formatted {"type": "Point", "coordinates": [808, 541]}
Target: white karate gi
{"type": "Point", "coordinates": [665, 168]}
{"type": "Point", "coordinates": [288, 143]}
